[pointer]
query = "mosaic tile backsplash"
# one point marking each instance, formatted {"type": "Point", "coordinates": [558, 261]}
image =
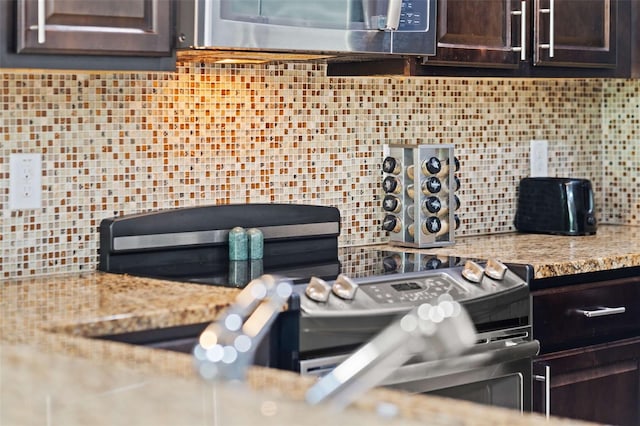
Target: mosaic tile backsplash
{"type": "Point", "coordinates": [116, 143]}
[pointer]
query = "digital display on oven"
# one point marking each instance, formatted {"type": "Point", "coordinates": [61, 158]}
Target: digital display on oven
{"type": "Point", "coordinates": [406, 286]}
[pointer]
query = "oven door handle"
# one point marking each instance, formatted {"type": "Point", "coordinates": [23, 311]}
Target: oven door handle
{"type": "Point", "coordinates": [478, 358]}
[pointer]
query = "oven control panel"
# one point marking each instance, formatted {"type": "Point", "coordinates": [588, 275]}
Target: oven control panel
{"type": "Point", "coordinates": [419, 290]}
{"type": "Point", "coordinates": [396, 293]}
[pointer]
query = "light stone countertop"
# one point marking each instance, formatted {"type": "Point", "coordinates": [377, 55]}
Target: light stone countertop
{"type": "Point", "coordinates": [612, 247]}
{"type": "Point", "coordinates": [53, 389]}
{"type": "Point", "coordinates": [51, 373]}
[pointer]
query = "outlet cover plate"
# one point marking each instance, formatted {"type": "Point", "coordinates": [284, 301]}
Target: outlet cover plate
{"type": "Point", "coordinates": [538, 156]}
{"type": "Point", "coordinates": [25, 181]}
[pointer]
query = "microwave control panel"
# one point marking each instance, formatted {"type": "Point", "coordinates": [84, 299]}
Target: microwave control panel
{"type": "Point", "coordinates": [414, 15]}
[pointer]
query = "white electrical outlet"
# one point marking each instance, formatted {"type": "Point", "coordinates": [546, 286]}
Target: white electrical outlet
{"type": "Point", "coordinates": [538, 152]}
{"type": "Point", "coordinates": [25, 181]}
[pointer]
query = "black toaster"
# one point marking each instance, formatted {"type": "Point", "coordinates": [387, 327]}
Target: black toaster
{"type": "Point", "coordinates": [551, 205]}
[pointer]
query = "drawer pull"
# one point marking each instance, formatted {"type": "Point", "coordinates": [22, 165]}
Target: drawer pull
{"type": "Point", "coordinates": [601, 311]}
{"type": "Point", "coordinates": [546, 379]}
{"type": "Point", "coordinates": [42, 16]}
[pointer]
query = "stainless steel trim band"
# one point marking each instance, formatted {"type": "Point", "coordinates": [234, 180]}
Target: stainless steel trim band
{"type": "Point", "coordinates": [177, 239]}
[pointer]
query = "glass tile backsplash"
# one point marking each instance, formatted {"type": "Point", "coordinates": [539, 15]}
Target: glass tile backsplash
{"type": "Point", "coordinates": [115, 143]}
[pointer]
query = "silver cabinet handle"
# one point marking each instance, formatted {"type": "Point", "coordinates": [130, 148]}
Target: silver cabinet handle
{"type": "Point", "coordinates": [601, 311]}
{"type": "Point", "coordinates": [41, 21]}
{"type": "Point", "coordinates": [551, 12]}
{"type": "Point", "coordinates": [393, 14]}
{"type": "Point", "coordinates": [523, 30]}
{"type": "Point", "coordinates": [552, 29]}
{"type": "Point", "coordinates": [547, 389]}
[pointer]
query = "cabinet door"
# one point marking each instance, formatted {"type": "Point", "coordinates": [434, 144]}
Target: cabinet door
{"type": "Point", "coordinates": [120, 27]}
{"type": "Point", "coordinates": [487, 33]}
{"type": "Point", "coordinates": [599, 383]}
{"type": "Point", "coordinates": [578, 315]}
{"type": "Point", "coordinates": [579, 33]}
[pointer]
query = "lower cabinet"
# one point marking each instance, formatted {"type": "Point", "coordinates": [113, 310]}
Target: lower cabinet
{"type": "Point", "coordinates": [589, 331]}
{"type": "Point", "coordinates": [600, 383]}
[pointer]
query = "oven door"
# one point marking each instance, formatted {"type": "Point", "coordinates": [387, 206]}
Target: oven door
{"type": "Point", "coordinates": [496, 371]}
{"type": "Point", "coordinates": [505, 381]}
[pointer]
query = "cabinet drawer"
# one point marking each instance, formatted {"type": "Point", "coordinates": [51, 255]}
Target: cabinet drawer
{"type": "Point", "coordinates": [581, 314]}
{"type": "Point", "coordinates": [606, 375]}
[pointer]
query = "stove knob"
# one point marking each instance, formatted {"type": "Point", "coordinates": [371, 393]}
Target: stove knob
{"type": "Point", "coordinates": [318, 290]}
{"type": "Point", "coordinates": [391, 165]}
{"type": "Point", "coordinates": [472, 271]}
{"type": "Point", "coordinates": [344, 287]}
{"type": "Point", "coordinates": [495, 269]}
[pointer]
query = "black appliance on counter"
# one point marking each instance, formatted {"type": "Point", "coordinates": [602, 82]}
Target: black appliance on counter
{"type": "Point", "coordinates": [316, 333]}
{"type": "Point", "coordinates": [555, 205]}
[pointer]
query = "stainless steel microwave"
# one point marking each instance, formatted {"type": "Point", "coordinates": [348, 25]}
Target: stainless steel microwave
{"type": "Point", "coordinates": [404, 27]}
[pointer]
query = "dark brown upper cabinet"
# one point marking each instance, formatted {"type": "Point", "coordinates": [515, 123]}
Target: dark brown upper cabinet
{"type": "Point", "coordinates": [490, 33]}
{"type": "Point", "coordinates": [122, 27]}
{"type": "Point", "coordinates": [508, 33]}
{"type": "Point", "coordinates": [132, 35]}
{"type": "Point", "coordinates": [575, 33]}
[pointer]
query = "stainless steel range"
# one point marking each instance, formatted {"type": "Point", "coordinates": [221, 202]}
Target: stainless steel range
{"type": "Point", "coordinates": [341, 297]}
{"type": "Point", "coordinates": [496, 371]}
